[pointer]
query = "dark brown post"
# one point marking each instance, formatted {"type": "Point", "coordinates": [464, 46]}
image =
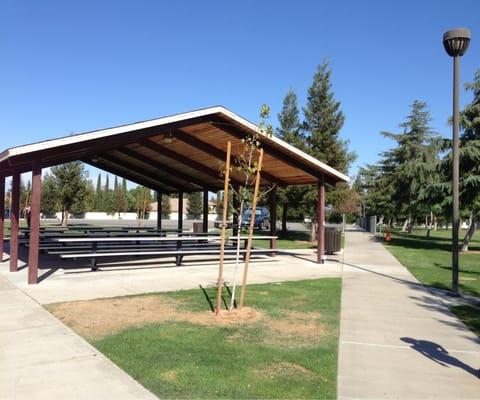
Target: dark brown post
{"type": "Point", "coordinates": [34, 224]}
{"type": "Point", "coordinates": [205, 211]}
{"type": "Point", "coordinates": [180, 211]}
{"type": "Point", "coordinates": [159, 210]}
{"type": "Point", "coordinates": [236, 209]}
{"type": "Point", "coordinates": [2, 213]}
{"type": "Point", "coordinates": [14, 216]}
{"type": "Point", "coordinates": [321, 222]}
{"type": "Point", "coordinates": [273, 217]}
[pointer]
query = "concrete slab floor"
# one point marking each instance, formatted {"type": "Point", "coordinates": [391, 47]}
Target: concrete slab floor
{"type": "Point", "coordinates": [398, 339]}
{"type": "Point", "coordinates": [70, 281]}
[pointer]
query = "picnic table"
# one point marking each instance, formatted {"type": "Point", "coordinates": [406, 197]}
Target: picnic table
{"type": "Point", "coordinates": [178, 246]}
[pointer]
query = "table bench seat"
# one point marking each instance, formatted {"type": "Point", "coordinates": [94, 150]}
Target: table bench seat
{"type": "Point", "coordinates": [179, 254]}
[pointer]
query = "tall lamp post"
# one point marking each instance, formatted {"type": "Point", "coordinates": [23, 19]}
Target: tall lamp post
{"type": "Point", "coordinates": [456, 43]}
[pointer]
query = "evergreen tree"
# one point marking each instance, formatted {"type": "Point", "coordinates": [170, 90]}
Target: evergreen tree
{"type": "Point", "coordinates": [107, 197]}
{"type": "Point", "coordinates": [74, 188]}
{"type": "Point", "coordinates": [219, 203]}
{"type": "Point", "coordinates": [194, 208]}
{"type": "Point", "coordinates": [166, 206]}
{"type": "Point", "coordinates": [98, 203]}
{"type": "Point", "coordinates": [323, 121]}
{"type": "Point", "coordinates": [411, 164]}
{"type": "Point", "coordinates": [470, 158]}
{"type": "Point", "coordinates": [119, 200]}
{"type": "Point", "coordinates": [321, 128]}
{"type": "Point", "coordinates": [290, 131]}
{"type": "Point", "coordinates": [50, 203]}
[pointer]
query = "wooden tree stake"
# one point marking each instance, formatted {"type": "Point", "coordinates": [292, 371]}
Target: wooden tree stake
{"type": "Point", "coordinates": [250, 229]}
{"type": "Point", "coordinates": [224, 227]}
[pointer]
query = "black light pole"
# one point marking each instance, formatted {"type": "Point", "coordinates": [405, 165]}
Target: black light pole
{"type": "Point", "coordinates": [456, 44]}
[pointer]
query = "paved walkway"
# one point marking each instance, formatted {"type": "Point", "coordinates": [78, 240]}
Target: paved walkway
{"type": "Point", "coordinates": [159, 275]}
{"type": "Point", "coordinates": [398, 339]}
{"type": "Point", "coordinates": [40, 358]}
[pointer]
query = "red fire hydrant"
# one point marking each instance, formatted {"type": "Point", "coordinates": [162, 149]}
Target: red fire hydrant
{"type": "Point", "coordinates": [388, 235]}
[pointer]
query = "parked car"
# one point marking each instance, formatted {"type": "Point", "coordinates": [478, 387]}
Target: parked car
{"type": "Point", "coordinates": [262, 218]}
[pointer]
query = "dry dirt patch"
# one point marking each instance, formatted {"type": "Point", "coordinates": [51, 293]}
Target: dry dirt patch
{"type": "Point", "coordinates": [296, 329]}
{"type": "Point", "coordinates": [98, 318]}
{"type": "Point", "coordinates": [282, 369]}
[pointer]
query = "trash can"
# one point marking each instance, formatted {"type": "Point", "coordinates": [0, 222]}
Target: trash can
{"type": "Point", "coordinates": [333, 240]}
{"type": "Point", "coordinates": [197, 227]}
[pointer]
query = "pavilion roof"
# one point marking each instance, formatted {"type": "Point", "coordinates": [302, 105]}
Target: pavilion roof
{"type": "Point", "coordinates": [182, 152]}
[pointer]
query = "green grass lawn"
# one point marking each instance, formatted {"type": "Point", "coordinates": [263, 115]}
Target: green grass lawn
{"type": "Point", "coordinates": [429, 260]}
{"type": "Point", "coordinates": [289, 352]}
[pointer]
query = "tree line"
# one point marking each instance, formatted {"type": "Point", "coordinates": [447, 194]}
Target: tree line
{"type": "Point", "coordinates": [315, 130]}
{"type": "Point", "coordinates": [411, 183]}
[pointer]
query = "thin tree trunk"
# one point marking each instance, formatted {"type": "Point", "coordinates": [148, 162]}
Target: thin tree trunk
{"type": "Point", "coordinates": [428, 223]}
{"type": "Point", "coordinates": [405, 225]}
{"type": "Point", "coordinates": [64, 217]}
{"type": "Point", "coordinates": [284, 218]}
{"type": "Point", "coordinates": [410, 224]}
{"type": "Point", "coordinates": [469, 234]}
{"type": "Point", "coordinates": [313, 231]}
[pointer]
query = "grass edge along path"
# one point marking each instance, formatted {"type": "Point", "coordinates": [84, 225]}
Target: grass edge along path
{"type": "Point", "coordinates": [289, 351]}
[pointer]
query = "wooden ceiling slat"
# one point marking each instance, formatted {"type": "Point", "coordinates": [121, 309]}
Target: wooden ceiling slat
{"type": "Point", "coordinates": [159, 180]}
{"type": "Point", "coordinates": [162, 167]}
{"type": "Point", "coordinates": [233, 130]}
{"type": "Point", "coordinates": [186, 161]}
{"type": "Point", "coordinates": [218, 153]}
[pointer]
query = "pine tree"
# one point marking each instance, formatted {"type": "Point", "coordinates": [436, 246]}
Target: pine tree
{"type": "Point", "coordinates": [321, 128]}
{"type": "Point", "coordinates": [166, 206]}
{"type": "Point", "coordinates": [98, 203]}
{"type": "Point", "coordinates": [290, 131]}
{"type": "Point", "coordinates": [323, 121]}
{"type": "Point", "coordinates": [50, 203]}
{"type": "Point", "coordinates": [107, 197]}
{"type": "Point", "coordinates": [410, 166]}
{"type": "Point", "coordinates": [470, 158]}
{"type": "Point", "coordinates": [73, 186]}
{"type": "Point", "coordinates": [194, 208]}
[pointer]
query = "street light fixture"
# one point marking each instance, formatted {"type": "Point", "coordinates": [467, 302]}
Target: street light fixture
{"type": "Point", "coordinates": [456, 43]}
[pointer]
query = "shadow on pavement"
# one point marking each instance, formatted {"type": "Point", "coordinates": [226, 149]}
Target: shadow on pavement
{"type": "Point", "coordinates": [439, 354]}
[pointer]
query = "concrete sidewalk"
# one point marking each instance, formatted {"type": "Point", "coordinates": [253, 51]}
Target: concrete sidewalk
{"type": "Point", "coordinates": [398, 338]}
{"type": "Point", "coordinates": [40, 358]}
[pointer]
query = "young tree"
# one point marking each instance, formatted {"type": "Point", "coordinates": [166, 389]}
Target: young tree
{"type": "Point", "coordinates": [143, 200]}
{"type": "Point", "coordinates": [71, 182]}
{"type": "Point", "coordinates": [194, 208]}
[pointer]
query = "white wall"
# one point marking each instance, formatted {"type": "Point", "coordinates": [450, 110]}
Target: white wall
{"type": "Point", "coordinates": [129, 216]}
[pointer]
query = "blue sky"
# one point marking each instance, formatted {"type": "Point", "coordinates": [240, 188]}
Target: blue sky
{"type": "Point", "coordinates": [69, 67]}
